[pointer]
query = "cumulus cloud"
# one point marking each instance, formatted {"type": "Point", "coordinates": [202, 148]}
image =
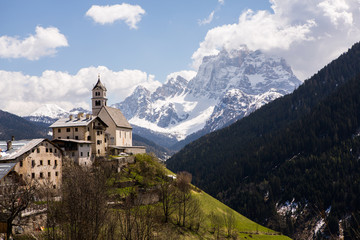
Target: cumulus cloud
{"type": "Point", "coordinates": [186, 74]}
{"type": "Point", "coordinates": [108, 14]}
{"type": "Point", "coordinates": [23, 94]}
{"type": "Point", "coordinates": [207, 20]}
{"type": "Point", "coordinates": [307, 33]}
{"type": "Point", "coordinates": [43, 43]}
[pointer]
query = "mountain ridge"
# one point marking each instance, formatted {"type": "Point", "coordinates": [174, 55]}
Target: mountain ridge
{"type": "Point", "coordinates": [251, 163]}
{"type": "Point", "coordinates": [181, 107]}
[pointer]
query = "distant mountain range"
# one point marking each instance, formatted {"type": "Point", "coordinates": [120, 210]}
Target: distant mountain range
{"type": "Point", "coordinates": [49, 113]}
{"type": "Point", "coordinates": [293, 164]}
{"type": "Point", "coordinates": [12, 125]}
{"type": "Point", "coordinates": [227, 87]}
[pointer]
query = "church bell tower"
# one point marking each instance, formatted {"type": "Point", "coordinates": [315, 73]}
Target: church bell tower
{"type": "Point", "coordinates": [98, 97]}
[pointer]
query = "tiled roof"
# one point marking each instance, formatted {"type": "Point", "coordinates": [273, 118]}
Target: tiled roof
{"type": "Point", "coordinates": [15, 153]}
{"type": "Point", "coordinates": [5, 168]}
{"type": "Point", "coordinates": [75, 122]}
{"type": "Point", "coordinates": [117, 116]}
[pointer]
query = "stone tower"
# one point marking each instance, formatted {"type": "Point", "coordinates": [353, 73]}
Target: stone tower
{"type": "Point", "coordinates": [98, 97]}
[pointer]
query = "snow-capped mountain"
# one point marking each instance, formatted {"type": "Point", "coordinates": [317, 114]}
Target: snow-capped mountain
{"type": "Point", "coordinates": [49, 113]}
{"type": "Point", "coordinates": [227, 87]}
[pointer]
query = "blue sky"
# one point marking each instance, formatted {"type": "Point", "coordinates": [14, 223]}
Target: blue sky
{"type": "Point", "coordinates": [166, 36]}
{"type": "Point", "coordinates": [52, 51]}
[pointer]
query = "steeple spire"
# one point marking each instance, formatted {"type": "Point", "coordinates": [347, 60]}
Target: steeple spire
{"type": "Point", "coordinates": [98, 97]}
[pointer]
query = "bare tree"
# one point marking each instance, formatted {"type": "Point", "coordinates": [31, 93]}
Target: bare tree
{"type": "Point", "coordinates": [215, 223]}
{"type": "Point", "coordinates": [229, 221]}
{"type": "Point", "coordinates": [16, 194]}
{"type": "Point", "coordinates": [83, 205]}
{"type": "Point", "coordinates": [136, 222]}
{"type": "Point", "coordinates": [195, 214]}
{"type": "Point", "coordinates": [167, 198]}
{"type": "Point", "coordinates": [183, 181]}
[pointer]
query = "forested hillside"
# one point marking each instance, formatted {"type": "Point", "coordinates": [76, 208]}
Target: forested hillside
{"type": "Point", "coordinates": [302, 148]}
{"type": "Point", "coordinates": [12, 125]}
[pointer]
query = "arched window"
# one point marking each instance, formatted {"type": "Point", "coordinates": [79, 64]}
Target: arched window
{"type": "Point", "coordinates": [97, 103]}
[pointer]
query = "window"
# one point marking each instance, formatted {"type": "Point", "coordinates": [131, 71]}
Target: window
{"type": "Point", "coordinates": [54, 186]}
{"type": "Point", "coordinates": [89, 138]}
{"type": "Point", "coordinates": [21, 163]}
{"type": "Point", "coordinates": [49, 174]}
{"type": "Point", "coordinates": [97, 93]}
{"type": "Point", "coordinates": [33, 150]}
{"type": "Point", "coordinates": [38, 150]}
{"type": "Point", "coordinates": [67, 129]}
{"type": "Point", "coordinates": [76, 129]}
{"type": "Point", "coordinates": [33, 163]}
{"type": "Point", "coordinates": [55, 150]}
{"type": "Point", "coordinates": [41, 162]}
{"type": "Point", "coordinates": [81, 154]}
{"type": "Point", "coordinates": [55, 162]}
{"type": "Point", "coordinates": [76, 138]}
{"type": "Point", "coordinates": [97, 103]}
{"type": "Point", "coordinates": [50, 150]}
{"type": "Point", "coordinates": [33, 175]}
{"type": "Point", "coordinates": [59, 130]}
{"type": "Point", "coordinates": [49, 162]}
{"type": "Point", "coordinates": [105, 140]}
{"type": "Point", "coordinates": [98, 142]}
{"type": "Point", "coordinates": [47, 150]}
{"type": "Point", "coordinates": [98, 151]}
{"type": "Point", "coordinates": [88, 154]}
{"type": "Point", "coordinates": [56, 173]}
{"type": "Point", "coordinates": [68, 137]}
{"type": "Point", "coordinates": [41, 175]}
{"type": "Point", "coordinates": [59, 137]}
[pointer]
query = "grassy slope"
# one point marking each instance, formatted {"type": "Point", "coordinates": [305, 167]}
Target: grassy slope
{"type": "Point", "coordinates": [244, 226]}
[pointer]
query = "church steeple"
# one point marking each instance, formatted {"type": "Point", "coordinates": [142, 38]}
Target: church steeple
{"type": "Point", "coordinates": [98, 97]}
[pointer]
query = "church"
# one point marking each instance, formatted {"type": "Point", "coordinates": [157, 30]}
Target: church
{"type": "Point", "coordinates": [104, 132]}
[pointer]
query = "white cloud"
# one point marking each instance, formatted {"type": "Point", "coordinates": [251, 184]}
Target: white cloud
{"type": "Point", "coordinates": [22, 94]}
{"type": "Point", "coordinates": [336, 10]}
{"type": "Point", "coordinates": [221, 1]}
{"type": "Point", "coordinates": [186, 74]}
{"type": "Point", "coordinates": [207, 20]}
{"type": "Point", "coordinates": [307, 33]}
{"type": "Point", "coordinates": [131, 14]}
{"type": "Point", "coordinates": [43, 43]}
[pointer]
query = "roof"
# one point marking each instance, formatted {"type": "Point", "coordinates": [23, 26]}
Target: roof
{"type": "Point", "coordinates": [71, 140]}
{"type": "Point", "coordinates": [28, 145]}
{"type": "Point", "coordinates": [99, 85]}
{"type": "Point", "coordinates": [117, 116]}
{"type": "Point", "coordinates": [5, 168]}
{"type": "Point", "coordinates": [75, 122]}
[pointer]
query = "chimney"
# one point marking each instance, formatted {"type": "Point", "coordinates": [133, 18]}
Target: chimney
{"type": "Point", "coordinates": [88, 116]}
{"type": "Point", "coordinates": [80, 115]}
{"type": "Point", "coordinates": [70, 117]}
{"type": "Point", "coordinates": [9, 144]}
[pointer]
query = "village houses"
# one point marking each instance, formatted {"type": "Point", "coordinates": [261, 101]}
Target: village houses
{"type": "Point", "coordinates": [82, 139]}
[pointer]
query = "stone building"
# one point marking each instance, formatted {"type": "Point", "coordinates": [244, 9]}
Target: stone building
{"type": "Point", "coordinates": [104, 132]}
{"type": "Point", "coordinates": [119, 129]}
{"type": "Point", "coordinates": [82, 137]}
{"type": "Point", "coordinates": [36, 159]}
